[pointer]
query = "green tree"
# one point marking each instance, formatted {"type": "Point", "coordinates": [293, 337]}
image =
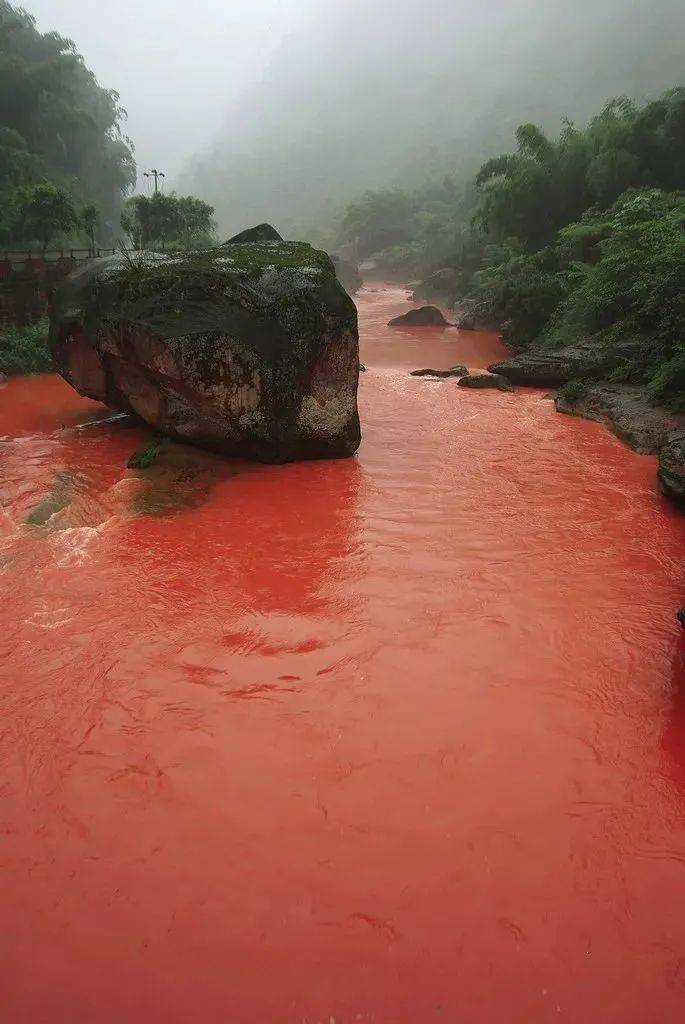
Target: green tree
{"type": "Point", "coordinates": [90, 218]}
{"type": "Point", "coordinates": [57, 123]}
{"type": "Point", "coordinates": [46, 211]}
{"type": "Point", "coordinates": [196, 223]}
{"type": "Point", "coordinates": [168, 221]}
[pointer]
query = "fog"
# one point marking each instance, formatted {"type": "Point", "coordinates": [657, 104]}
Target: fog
{"type": "Point", "coordinates": [285, 111]}
{"type": "Point", "coordinates": [176, 65]}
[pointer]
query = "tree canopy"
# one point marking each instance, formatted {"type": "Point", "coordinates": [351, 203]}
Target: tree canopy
{"type": "Point", "coordinates": [57, 125]}
{"type": "Point", "coordinates": [532, 193]}
{"type": "Point", "coordinates": [168, 221]}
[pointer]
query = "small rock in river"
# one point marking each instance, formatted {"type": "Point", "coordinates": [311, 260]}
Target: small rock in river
{"type": "Point", "coordinates": [426, 316]}
{"type": "Point", "coordinates": [451, 371]}
{"type": "Point", "coordinates": [487, 380]}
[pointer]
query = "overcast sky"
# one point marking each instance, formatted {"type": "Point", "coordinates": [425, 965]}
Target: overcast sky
{"type": "Point", "coordinates": [175, 63]}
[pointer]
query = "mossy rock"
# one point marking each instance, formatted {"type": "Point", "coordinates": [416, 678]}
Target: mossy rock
{"type": "Point", "coordinates": [250, 348]}
{"type": "Point", "coordinates": [426, 316]}
{"type": "Point", "coordinates": [260, 233]}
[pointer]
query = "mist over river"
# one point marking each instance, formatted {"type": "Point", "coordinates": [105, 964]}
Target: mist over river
{"type": "Point", "coordinates": [397, 738]}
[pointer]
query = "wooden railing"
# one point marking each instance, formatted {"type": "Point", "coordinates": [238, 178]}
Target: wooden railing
{"type": "Point", "coordinates": [27, 275]}
{"type": "Point", "coordinates": [18, 259]}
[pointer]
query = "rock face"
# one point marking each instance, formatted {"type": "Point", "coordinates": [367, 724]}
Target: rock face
{"type": "Point", "coordinates": [487, 380]}
{"type": "Point", "coordinates": [626, 411]}
{"type": "Point", "coordinates": [260, 233]}
{"type": "Point", "coordinates": [551, 368]}
{"type": "Point", "coordinates": [426, 316]}
{"type": "Point", "coordinates": [671, 472]}
{"type": "Point", "coordinates": [249, 349]}
{"type": "Point", "coordinates": [451, 371]}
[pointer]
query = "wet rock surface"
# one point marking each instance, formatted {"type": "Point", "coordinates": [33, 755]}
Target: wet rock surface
{"type": "Point", "coordinates": [551, 368]}
{"type": "Point", "coordinates": [426, 316]}
{"type": "Point", "coordinates": [671, 472]}
{"type": "Point", "coordinates": [486, 380]}
{"type": "Point", "coordinates": [250, 349]}
{"type": "Point", "coordinates": [627, 413]}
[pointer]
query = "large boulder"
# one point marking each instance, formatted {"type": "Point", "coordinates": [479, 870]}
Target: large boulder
{"type": "Point", "coordinates": [551, 368]}
{"type": "Point", "coordinates": [671, 472]}
{"type": "Point", "coordinates": [260, 233]}
{"type": "Point", "coordinates": [426, 316]}
{"type": "Point", "coordinates": [249, 349]}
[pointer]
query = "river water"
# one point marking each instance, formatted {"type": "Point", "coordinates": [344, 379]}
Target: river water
{"type": "Point", "coordinates": [397, 739]}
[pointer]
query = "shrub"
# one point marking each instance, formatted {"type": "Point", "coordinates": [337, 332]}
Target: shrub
{"type": "Point", "coordinates": [145, 456]}
{"type": "Point", "coordinates": [668, 382]}
{"type": "Point", "coordinates": [518, 293]}
{"type": "Point", "coordinates": [25, 349]}
{"type": "Point", "coordinates": [635, 289]}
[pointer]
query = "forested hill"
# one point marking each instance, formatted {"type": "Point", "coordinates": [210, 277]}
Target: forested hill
{"type": "Point", "coordinates": [57, 124]}
{"type": "Point", "coordinates": [397, 93]}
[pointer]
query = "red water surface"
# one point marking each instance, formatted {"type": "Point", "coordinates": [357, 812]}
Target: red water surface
{"type": "Point", "coordinates": [397, 739]}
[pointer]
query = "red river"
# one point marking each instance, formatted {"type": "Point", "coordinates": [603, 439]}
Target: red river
{"type": "Point", "coordinates": [397, 739]}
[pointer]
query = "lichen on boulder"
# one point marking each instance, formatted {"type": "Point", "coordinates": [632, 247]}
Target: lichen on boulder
{"type": "Point", "coordinates": [250, 349]}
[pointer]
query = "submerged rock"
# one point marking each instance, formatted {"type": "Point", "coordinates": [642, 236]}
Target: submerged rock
{"type": "Point", "coordinates": [260, 233]}
{"type": "Point", "coordinates": [426, 316]}
{"type": "Point", "coordinates": [551, 368]}
{"type": "Point", "coordinates": [60, 496]}
{"type": "Point", "coordinates": [250, 349]}
{"type": "Point", "coordinates": [486, 380]}
{"type": "Point", "coordinates": [451, 371]}
{"type": "Point", "coordinates": [671, 472]}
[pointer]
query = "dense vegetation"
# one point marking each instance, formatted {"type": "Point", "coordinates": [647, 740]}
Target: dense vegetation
{"type": "Point", "coordinates": [582, 236]}
{"type": "Point", "coordinates": [24, 349]}
{"type": "Point", "coordinates": [57, 127]}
